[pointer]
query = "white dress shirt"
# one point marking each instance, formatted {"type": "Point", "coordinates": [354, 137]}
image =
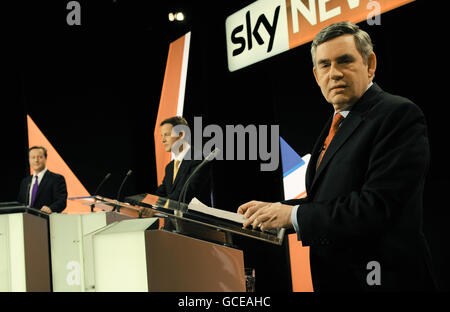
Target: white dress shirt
{"type": "Point", "coordinates": [180, 156]}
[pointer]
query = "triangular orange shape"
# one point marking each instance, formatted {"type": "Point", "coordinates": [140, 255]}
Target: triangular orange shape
{"type": "Point", "coordinates": [56, 164]}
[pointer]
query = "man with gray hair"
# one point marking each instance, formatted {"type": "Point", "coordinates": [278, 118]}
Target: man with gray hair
{"type": "Point", "coordinates": [362, 216]}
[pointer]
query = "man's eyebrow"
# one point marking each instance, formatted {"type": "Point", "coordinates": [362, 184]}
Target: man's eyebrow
{"type": "Point", "coordinates": [340, 58]}
{"type": "Point", "coordinates": [323, 61]}
{"type": "Point", "coordinates": [345, 57]}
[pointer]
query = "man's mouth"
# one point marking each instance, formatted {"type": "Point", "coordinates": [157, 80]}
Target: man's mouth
{"type": "Point", "coordinates": [340, 87]}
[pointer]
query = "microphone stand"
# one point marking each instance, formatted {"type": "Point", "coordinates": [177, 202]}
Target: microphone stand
{"type": "Point", "coordinates": [98, 188]}
{"type": "Point", "coordinates": [183, 192]}
{"type": "Point", "coordinates": [117, 207]}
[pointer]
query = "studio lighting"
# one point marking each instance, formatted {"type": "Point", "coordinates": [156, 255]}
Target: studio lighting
{"type": "Point", "coordinates": [179, 16]}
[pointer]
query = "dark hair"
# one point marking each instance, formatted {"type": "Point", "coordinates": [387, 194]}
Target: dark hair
{"type": "Point", "coordinates": [362, 39]}
{"type": "Point", "coordinates": [38, 147]}
{"type": "Point", "coordinates": [174, 121]}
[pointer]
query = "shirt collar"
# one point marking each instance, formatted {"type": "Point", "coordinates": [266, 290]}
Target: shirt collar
{"type": "Point", "coordinates": [40, 174]}
{"type": "Point", "coordinates": [183, 153]}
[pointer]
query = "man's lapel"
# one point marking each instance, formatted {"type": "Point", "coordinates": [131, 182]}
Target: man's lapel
{"type": "Point", "coordinates": [311, 170]}
{"type": "Point", "coordinates": [28, 184]}
{"type": "Point", "coordinates": [347, 128]}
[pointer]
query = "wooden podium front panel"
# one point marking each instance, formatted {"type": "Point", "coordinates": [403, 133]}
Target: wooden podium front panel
{"type": "Point", "coordinates": [37, 255]}
{"type": "Point", "coordinates": [179, 263]}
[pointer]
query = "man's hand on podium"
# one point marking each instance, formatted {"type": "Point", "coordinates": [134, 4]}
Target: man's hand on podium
{"type": "Point", "coordinates": [266, 215]}
{"type": "Point", "coordinates": [46, 209]}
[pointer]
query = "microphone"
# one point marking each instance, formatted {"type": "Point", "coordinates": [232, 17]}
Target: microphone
{"type": "Point", "coordinates": [108, 175]}
{"type": "Point", "coordinates": [208, 158]}
{"type": "Point", "coordinates": [27, 195]}
{"type": "Point", "coordinates": [120, 189]}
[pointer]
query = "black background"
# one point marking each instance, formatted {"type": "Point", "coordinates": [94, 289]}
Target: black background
{"type": "Point", "coordinates": [94, 91]}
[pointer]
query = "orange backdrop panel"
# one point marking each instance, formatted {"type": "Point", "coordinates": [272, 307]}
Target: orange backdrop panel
{"type": "Point", "coordinates": [300, 267]}
{"type": "Point", "coordinates": [56, 164]}
{"type": "Point", "coordinates": [169, 101]}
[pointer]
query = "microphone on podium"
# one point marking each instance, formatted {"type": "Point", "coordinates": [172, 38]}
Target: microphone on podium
{"type": "Point", "coordinates": [211, 156]}
{"type": "Point", "coordinates": [117, 207]}
{"type": "Point", "coordinates": [108, 175]}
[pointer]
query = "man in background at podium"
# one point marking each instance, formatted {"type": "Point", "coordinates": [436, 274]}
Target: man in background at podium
{"type": "Point", "coordinates": [181, 167]}
{"type": "Point", "coordinates": [362, 216]}
{"type": "Point", "coordinates": [43, 190]}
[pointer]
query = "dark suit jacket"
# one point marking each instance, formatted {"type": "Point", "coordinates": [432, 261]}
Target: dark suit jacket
{"type": "Point", "coordinates": [364, 202]}
{"type": "Point", "coordinates": [52, 192]}
{"type": "Point", "coordinates": [199, 186]}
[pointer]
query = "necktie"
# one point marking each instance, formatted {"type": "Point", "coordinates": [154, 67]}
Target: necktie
{"type": "Point", "coordinates": [175, 169]}
{"type": "Point", "coordinates": [34, 191]}
{"type": "Point", "coordinates": [334, 127]}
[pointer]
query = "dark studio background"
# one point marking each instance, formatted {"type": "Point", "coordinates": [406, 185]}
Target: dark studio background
{"type": "Point", "coordinates": [94, 91]}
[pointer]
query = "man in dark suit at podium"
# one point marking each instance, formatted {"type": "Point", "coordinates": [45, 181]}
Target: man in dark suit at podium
{"type": "Point", "coordinates": [181, 167]}
{"type": "Point", "coordinates": [362, 216]}
{"type": "Point", "coordinates": [43, 190]}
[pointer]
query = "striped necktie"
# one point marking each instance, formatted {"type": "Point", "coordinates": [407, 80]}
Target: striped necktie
{"type": "Point", "coordinates": [334, 127]}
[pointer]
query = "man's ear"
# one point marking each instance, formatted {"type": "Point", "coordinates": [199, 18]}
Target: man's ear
{"type": "Point", "coordinates": [315, 74]}
{"type": "Point", "coordinates": [371, 65]}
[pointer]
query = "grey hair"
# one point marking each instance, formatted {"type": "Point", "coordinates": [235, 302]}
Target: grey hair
{"type": "Point", "coordinates": [362, 39]}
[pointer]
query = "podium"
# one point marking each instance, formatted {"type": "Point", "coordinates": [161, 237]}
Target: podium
{"type": "Point", "coordinates": [112, 251]}
{"type": "Point", "coordinates": [133, 255]}
{"type": "Point", "coordinates": [71, 257]}
{"type": "Point", "coordinates": [180, 219]}
{"type": "Point", "coordinates": [71, 253]}
{"type": "Point", "coordinates": [108, 204]}
{"type": "Point", "coordinates": [24, 249]}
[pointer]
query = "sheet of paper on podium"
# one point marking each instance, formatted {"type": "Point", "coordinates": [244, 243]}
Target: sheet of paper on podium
{"type": "Point", "coordinates": [198, 206]}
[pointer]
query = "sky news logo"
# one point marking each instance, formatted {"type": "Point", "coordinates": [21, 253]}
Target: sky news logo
{"type": "Point", "coordinates": [269, 27]}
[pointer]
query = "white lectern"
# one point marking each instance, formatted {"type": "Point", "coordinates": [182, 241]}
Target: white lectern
{"type": "Point", "coordinates": [132, 255]}
{"type": "Point", "coordinates": [71, 257]}
{"type": "Point", "coordinates": [24, 249]}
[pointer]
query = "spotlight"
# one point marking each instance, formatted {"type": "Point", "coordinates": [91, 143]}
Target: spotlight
{"type": "Point", "coordinates": [179, 16]}
{"type": "Point", "coordinates": [171, 17]}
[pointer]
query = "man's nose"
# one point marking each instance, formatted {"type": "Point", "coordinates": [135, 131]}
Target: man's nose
{"type": "Point", "coordinates": [335, 72]}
